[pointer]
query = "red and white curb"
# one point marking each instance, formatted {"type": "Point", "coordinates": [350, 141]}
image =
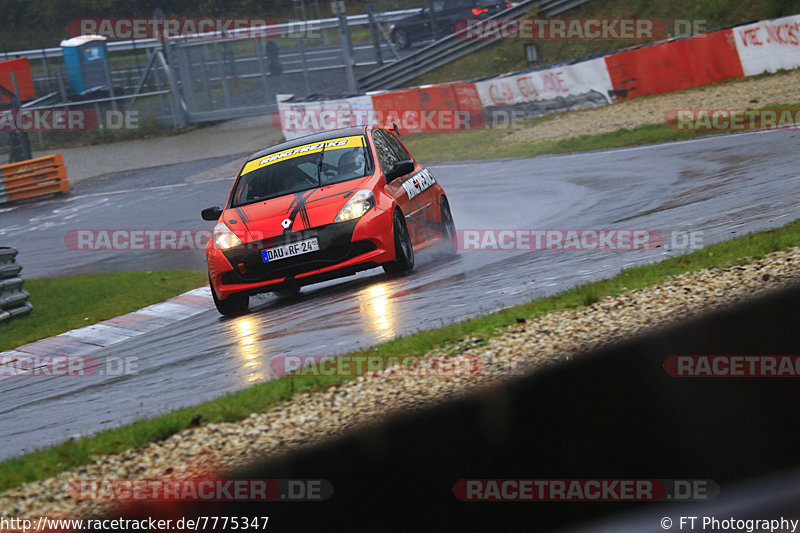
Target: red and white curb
{"type": "Point", "coordinates": [84, 341]}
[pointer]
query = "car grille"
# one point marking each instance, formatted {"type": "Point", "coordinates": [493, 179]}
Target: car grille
{"type": "Point", "coordinates": [335, 246]}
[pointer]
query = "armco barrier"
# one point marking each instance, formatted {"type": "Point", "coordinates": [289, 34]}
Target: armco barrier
{"type": "Point", "coordinates": [33, 178]}
{"type": "Point", "coordinates": [453, 46]}
{"type": "Point", "coordinates": [13, 299]}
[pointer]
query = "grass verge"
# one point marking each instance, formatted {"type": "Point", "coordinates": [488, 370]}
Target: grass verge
{"type": "Point", "coordinates": [490, 143]}
{"type": "Point", "coordinates": [62, 304]}
{"type": "Point", "coordinates": [75, 452]}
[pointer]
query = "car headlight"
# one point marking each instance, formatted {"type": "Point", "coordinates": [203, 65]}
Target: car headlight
{"type": "Point", "coordinates": [357, 206]}
{"type": "Point", "coordinates": [224, 238]}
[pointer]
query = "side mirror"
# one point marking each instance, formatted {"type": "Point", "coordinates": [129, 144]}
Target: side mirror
{"type": "Point", "coordinates": [401, 168]}
{"type": "Point", "coordinates": [211, 213]}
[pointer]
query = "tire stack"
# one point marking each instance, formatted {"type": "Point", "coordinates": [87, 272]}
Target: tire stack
{"type": "Point", "coordinates": [13, 299]}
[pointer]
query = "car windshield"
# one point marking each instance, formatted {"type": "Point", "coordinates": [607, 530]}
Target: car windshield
{"type": "Point", "coordinates": [302, 168]}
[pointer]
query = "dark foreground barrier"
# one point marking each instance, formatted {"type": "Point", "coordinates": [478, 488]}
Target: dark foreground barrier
{"type": "Point", "coordinates": [13, 299]}
{"type": "Point", "coordinates": [614, 414]}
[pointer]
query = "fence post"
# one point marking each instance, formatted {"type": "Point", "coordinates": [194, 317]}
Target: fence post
{"type": "Point", "coordinates": [375, 40]}
{"type": "Point", "coordinates": [346, 43]}
{"type": "Point", "coordinates": [109, 80]}
{"type": "Point", "coordinates": [46, 69]}
{"type": "Point", "coordinates": [185, 75]}
{"type": "Point", "coordinates": [204, 58]}
{"type": "Point", "coordinates": [260, 57]}
{"type": "Point", "coordinates": [226, 95]}
{"type": "Point", "coordinates": [176, 102]}
{"type": "Point", "coordinates": [306, 78]}
{"type": "Point", "coordinates": [61, 90]}
{"type": "Point", "coordinates": [20, 146]}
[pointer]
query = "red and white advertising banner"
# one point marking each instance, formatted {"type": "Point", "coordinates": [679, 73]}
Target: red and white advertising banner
{"type": "Point", "coordinates": [769, 45]}
{"type": "Point", "coordinates": [296, 119]}
{"type": "Point", "coordinates": [568, 80]}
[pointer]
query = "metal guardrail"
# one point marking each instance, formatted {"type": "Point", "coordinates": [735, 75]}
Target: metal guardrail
{"type": "Point", "coordinates": [13, 299]}
{"type": "Point", "coordinates": [451, 48]}
{"type": "Point", "coordinates": [286, 28]}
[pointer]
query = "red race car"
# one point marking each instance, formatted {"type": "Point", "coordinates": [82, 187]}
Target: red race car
{"type": "Point", "coordinates": [320, 207]}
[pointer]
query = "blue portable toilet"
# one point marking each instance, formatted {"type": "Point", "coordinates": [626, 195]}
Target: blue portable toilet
{"type": "Point", "coordinates": [85, 59]}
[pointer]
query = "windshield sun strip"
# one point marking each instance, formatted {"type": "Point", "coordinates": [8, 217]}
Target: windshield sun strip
{"type": "Point", "coordinates": [351, 141]}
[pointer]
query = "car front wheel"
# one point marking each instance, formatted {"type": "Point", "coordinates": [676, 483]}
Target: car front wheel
{"type": "Point", "coordinates": [233, 305]}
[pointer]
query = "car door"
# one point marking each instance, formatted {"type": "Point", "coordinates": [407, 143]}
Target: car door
{"type": "Point", "coordinates": [422, 30]}
{"type": "Point", "coordinates": [451, 11]}
{"type": "Point", "coordinates": [418, 207]}
{"type": "Point", "coordinates": [388, 155]}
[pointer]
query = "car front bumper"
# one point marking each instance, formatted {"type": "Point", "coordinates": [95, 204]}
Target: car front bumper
{"type": "Point", "coordinates": [344, 248]}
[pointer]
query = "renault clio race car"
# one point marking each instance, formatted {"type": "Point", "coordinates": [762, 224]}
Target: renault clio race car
{"type": "Point", "coordinates": [320, 207]}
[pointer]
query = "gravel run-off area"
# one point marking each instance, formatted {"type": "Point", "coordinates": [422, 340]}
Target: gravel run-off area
{"type": "Point", "coordinates": [782, 88]}
{"type": "Point", "coordinates": [312, 417]}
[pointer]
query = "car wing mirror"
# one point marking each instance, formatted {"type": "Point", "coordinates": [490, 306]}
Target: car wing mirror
{"type": "Point", "coordinates": [400, 168]}
{"type": "Point", "coordinates": [211, 213]}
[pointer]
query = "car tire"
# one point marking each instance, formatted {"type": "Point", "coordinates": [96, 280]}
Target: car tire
{"type": "Point", "coordinates": [449, 238]}
{"type": "Point", "coordinates": [403, 248]}
{"type": "Point", "coordinates": [233, 305]}
{"type": "Point", "coordinates": [400, 38]}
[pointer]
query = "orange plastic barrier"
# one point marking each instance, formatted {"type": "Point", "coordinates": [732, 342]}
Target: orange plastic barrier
{"type": "Point", "coordinates": [32, 178]}
{"type": "Point", "coordinates": [21, 68]}
{"type": "Point", "coordinates": [675, 65]}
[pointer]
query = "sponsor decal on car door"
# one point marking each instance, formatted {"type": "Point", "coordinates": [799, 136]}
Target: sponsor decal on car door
{"type": "Point", "coordinates": [421, 215]}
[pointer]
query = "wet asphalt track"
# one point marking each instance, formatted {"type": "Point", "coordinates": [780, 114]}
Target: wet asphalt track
{"type": "Point", "coordinates": [723, 186]}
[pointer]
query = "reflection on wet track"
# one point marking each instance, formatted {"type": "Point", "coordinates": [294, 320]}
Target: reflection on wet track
{"type": "Point", "coordinates": [376, 311]}
{"type": "Point", "coordinates": [248, 350]}
{"type": "Point", "coordinates": [723, 186]}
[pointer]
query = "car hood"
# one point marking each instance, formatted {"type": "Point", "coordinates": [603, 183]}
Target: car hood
{"type": "Point", "coordinates": [303, 210]}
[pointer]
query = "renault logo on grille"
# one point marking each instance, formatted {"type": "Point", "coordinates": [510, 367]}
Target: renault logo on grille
{"type": "Point", "coordinates": [286, 223]}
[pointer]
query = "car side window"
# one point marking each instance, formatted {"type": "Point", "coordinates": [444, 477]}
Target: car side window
{"type": "Point", "coordinates": [438, 6]}
{"type": "Point", "coordinates": [398, 149]}
{"type": "Point", "coordinates": [387, 155]}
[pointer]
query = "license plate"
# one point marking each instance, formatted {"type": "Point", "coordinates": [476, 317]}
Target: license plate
{"type": "Point", "coordinates": [290, 250]}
